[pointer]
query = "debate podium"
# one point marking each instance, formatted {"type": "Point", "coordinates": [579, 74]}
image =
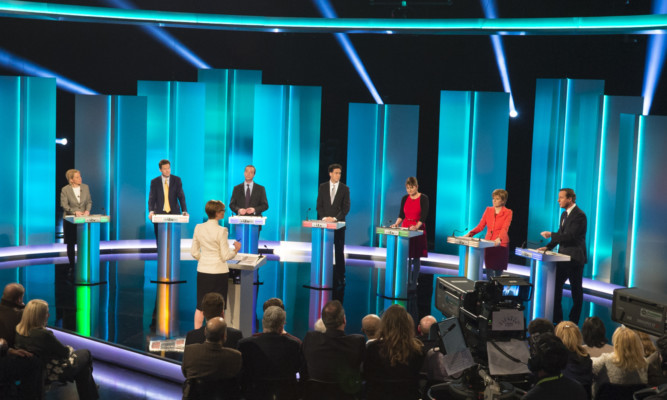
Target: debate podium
{"type": "Point", "coordinates": [249, 227]}
{"type": "Point", "coordinates": [168, 271]}
{"type": "Point", "coordinates": [543, 278]}
{"type": "Point", "coordinates": [87, 248]}
{"type": "Point", "coordinates": [321, 265]}
{"type": "Point", "coordinates": [397, 270]}
{"type": "Point", "coordinates": [241, 310]}
{"type": "Point", "coordinates": [471, 255]}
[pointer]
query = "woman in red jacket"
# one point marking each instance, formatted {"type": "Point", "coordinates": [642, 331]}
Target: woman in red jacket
{"type": "Point", "coordinates": [497, 220]}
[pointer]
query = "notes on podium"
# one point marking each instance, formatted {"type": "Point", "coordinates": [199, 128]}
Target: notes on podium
{"type": "Point", "coordinates": [241, 304]}
{"type": "Point", "coordinates": [397, 269]}
{"type": "Point", "coordinates": [471, 255]}
{"type": "Point", "coordinates": [543, 278]}
{"type": "Point", "coordinates": [88, 247]}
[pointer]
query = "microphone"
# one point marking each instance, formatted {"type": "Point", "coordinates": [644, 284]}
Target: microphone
{"type": "Point", "coordinates": [307, 211]}
{"type": "Point", "coordinates": [523, 244]}
{"type": "Point", "coordinates": [459, 231]}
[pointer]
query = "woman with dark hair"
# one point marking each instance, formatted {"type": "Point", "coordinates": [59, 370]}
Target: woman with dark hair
{"type": "Point", "coordinates": [393, 361]}
{"type": "Point", "coordinates": [595, 337]}
{"type": "Point", "coordinates": [497, 220]}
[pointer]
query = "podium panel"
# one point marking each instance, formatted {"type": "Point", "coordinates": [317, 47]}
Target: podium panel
{"type": "Point", "coordinates": [88, 247]}
{"type": "Point", "coordinates": [543, 278]}
{"type": "Point", "coordinates": [397, 269]}
{"type": "Point", "coordinates": [241, 311]}
{"type": "Point", "coordinates": [471, 255]}
{"type": "Point", "coordinates": [249, 231]}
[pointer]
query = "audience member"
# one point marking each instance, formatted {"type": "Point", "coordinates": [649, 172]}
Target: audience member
{"type": "Point", "coordinates": [370, 326]}
{"type": "Point", "coordinates": [62, 363]}
{"type": "Point", "coordinates": [211, 361]}
{"type": "Point", "coordinates": [548, 357]}
{"type": "Point", "coordinates": [11, 310]}
{"type": "Point", "coordinates": [213, 305]}
{"type": "Point", "coordinates": [647, 343]}
{"type": "Point", "coordinates": [595, 337]}
{"type": "Point", "coordinates": [333, 357]}
{"type": "Point", "coordinates": [539, 326]}
{"type": "Point", "coordinates": [424, 330]}
{"type": "Point", "coordinates": [579, 366]}
{"type": "Point", "coordinates": [271, 361]}
{"type": "Point", "coordinates": [393, 361]}
{"type": "Point", "coordinates": [319, 326]}
{"type": "Point", "coordinates": [626, 365]}
{"type": "Point", "coordinates": [657, 363]}
{"type": "Point", "coordinates": [273, 301]}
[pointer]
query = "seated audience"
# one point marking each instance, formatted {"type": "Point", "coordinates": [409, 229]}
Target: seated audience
{"type": "Point", "coordinates": [657, 364]}
{"type": "Point", "coordinates": [333, 359]}
{"type": "Point", "coordinates": [626, 365]}
{"type": "Point", "coordinates": [276, 302]}
{"type": "Point", "coordinates": [393, 361]}
{"type": "Point", "coordinates": [211, 361]}
{"type": "Point", "coordinates": [424, 330]}
{"type": "Point", "coordinates": [213, 305]}
{"type": "Point", "coordinates": [370, 326]}
{"type": "Point", "coordinates": [595, 337]}
{"type": "Point", "coordinates": [647, 343]}
{"type": "Point", "coordinates": [539, 326]}
{"type": "Point", "coordinates": [271, 361]}
{"type": "Point", "coordinates": [11, 310]}
{"type": "Point", "coordinates": [579, 366]}
{"type": "Point", "coordinates": [319, 326]}
{"type": "Point", "coordinates": [62, 363]}
{"type": "Point", "coordinates": [548, 357]}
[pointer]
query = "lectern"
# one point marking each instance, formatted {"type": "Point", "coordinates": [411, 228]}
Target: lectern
{"type": "Point", "coordinates": [543, 278]}
{"type": "Point", "coordinates": [321, 265]}
{"type": "Point", "coordinates": [249, 226]}
{"type": "Point", "coordinates": [168, 271]}
{"type": "Point", "coordinates": [88, 248]}
{"type": "Point", "coordinates": [397, 270]}
{"type": "Point", "coordinates": [242, 308]}
{"type": "Point", "coordinates": [471, 255]}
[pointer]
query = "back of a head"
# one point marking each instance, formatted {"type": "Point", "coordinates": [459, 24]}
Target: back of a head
{"type": "Point", "coordinates": [548, 354]}
{"type": "Point", "coordinates": [647, 343]}
{"type": "Point", "coordinates": [273, 319]}
{"type": "Point", "coordinates": [274, 301]}
{"type": "Point", "coordinates": [13, 293]}
{"type": "Point", "coordinates": [628, 349]}
{"type": "Point", "coordinates": [594, 332]}
{"type": "Point", "coordinates": [540, 325]}
{"type": "Point", "coordinates": [216, 330]}
{"type": "Point", "coordinates": [34, 316]}
{"type": "Point", "coordinates": [397, 335]}
{"type": "Point", "coordinates": [333, 315]}
{"type": "Point", "coordinates": [568, 332]}
{"type": "Point", "coordinates": [370, 325]}
{"type": "Point", "coordinates": [426, 323]}
{"type": "Point", "coordinates": [212, 305]}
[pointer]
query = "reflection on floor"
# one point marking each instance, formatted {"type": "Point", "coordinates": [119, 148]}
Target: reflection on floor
{"type": "Point", "coordinates": [121, 384]}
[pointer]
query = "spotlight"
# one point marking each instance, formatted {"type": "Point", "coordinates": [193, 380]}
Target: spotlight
{"type": "Point", "coordinates": [514, 114]}
{"type": "Point", "coordinates": [62, 141]}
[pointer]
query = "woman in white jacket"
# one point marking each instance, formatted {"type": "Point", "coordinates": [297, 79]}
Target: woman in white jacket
{"type": "Point", "coordinates": [211, 250]}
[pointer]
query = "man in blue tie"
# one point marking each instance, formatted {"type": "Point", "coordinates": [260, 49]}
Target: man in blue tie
{"type": "Point", "coordinates": [571, 240]}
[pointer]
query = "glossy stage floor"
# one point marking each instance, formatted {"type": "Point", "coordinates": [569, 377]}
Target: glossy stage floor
{"type": "Point", "coordinates": [113, 319]}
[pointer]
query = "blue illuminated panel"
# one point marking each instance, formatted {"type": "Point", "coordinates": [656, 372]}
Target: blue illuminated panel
{"type": "Point", "coordinates": [10, 162]}
{"type": "Point", "coordinates": [472, 160]}
{"type": "Point", "coordinates": [648, 250]}
{"type": "Point", "coordinates": [384, 146]}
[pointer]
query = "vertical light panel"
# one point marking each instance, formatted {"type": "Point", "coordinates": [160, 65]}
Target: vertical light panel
{"type": "Point", "coordinates": [229, 106]}
{"type": "Point", "coordinates": [10, 164]}
{"type": "Point", "coordinates": [648, 250]}
{"type": "Point", "coordinates": [384, 146]}
{"type": "Point", "coordinates": [472, 159]}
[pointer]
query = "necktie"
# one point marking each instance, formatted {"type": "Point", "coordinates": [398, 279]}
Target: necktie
{"type": "Point", "coordinates": [333, 193]}
{"type": "Point", "coordinates": [167, 207]}
{"type": "Point", "coordinates": [247, 196]}
{"type": "Point", "coordinates": [563, 217]}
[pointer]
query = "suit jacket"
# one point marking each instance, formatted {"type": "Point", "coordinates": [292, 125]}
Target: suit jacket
{"type": "Point", "coordinates": [42, 343]}
{"type": "Point", "coordinates": [10, 316]}
{"type": "Point", "coordinates": [176, 196]}
{"type": "Point", "coordinates": [333, 356]}
{"type": "Point", "coordinates": [210, 361]}
{"type": "Point", "coordinates": [571, 237]}
{"type": "Point", "coordinates": [341, 203]}
{"type": "Point", "coordinates": [257, 198]}
{"type": "Point", "coordinates": [198, 336]}
{"type": "Point", "coordinates": [70, 204]}
{"type": "Point", "coordinates": [497, 225]}
{"type": "Point", "coordinates": [210, 248]}
{"type": "Point", "coordinates": [270, 356]}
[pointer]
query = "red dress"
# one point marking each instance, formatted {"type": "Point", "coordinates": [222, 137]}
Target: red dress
{"type": "Point", "coordinates": [413, 213]}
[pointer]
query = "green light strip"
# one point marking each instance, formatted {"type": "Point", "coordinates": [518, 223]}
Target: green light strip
{"type": "Point", "coordinates": [479, 26]}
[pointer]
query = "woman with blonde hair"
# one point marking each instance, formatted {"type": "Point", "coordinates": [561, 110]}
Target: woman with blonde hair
{"type": "Point", "coordinates": [647, 343]}
{"type": "Point", "coordinates": [626, 365]}
{"type": "Point", "coordinates": [393, 361]}
{"type": "Point", "coordinates": [579, 366]}
{"type": "Point", "coordinates": [62, 363]}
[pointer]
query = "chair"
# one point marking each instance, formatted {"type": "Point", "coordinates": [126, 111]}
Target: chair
{"type": "Point", "coordinates": [203, 389]}
{"type": "Point", "coordinates": [610, 391]}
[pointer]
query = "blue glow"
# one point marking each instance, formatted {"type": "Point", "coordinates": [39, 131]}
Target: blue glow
{"type": "Point", "coordinates": [25, 67]}
{"type": "Point", "coordinates": [655, 58]}
{"type": "Point", "coordinates": [603, 151]}
{"type": "Point", "coordinates": [491, 12]}
{"type": "Point", "coordinates": [164, 37]}
{"type": "Point", "coordinates": [326, 9]}
{"type": "Point", "coordinates": [636, 209]}
{"type": "Point", "coordinates": [62, 142]}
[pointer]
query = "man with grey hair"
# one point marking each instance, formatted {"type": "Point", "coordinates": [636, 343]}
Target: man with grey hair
{"type": "Point", "coordinates": [210, 360]}
{"type": "Point", "coordinates": [271, 360]}
{"type": "Point", "coordinates": [334, 357]}
{"type": "Point", "coordinates": [370, 326]}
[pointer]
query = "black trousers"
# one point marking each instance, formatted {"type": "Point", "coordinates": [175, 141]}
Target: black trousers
{"type": "Point", "coordinates": [573, 271]}
{"type": "Point", "coordinates": [339, 266]}
{"type": "Point", "coordinates": [70, 233]}
{"type": "Point", "coordinates": [82, 374]}
{"type": "Point", "coordinates": [28, 371]}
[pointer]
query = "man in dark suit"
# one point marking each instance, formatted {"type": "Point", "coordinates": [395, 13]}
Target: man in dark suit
{"type": "Point", "coordinates": [213, 306]}
{"type": "Point", "coordinates": [166, 194]}
{"type": "Point", "coordinates": [571, 240]}
{"type": "Point", "coordinates": [333, 204]}
{"type": "Point", "coordinates": [271, 360]}
{"type": "Point", "coordinates": [333, 356]}
{"type": "Point", "coordinates": [249, 198]}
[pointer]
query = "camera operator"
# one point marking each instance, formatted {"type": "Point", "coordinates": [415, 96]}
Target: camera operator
{"type": "Point", "coordinates": [548, 358]}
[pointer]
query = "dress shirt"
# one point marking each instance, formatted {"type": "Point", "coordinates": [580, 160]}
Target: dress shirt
{"type": "Point", "coordinates": [165, 180]}
{"type": "Point", "coordinates": [77, 192]}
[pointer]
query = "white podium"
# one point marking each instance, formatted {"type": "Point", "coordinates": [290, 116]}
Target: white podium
{"type": "Point", "coordinates": [241, 309]}
{"type": "Point", "coordinates": [471, 255]}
